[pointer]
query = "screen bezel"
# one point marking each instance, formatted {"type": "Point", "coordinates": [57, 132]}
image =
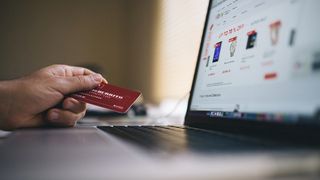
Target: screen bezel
{"type": "Point", "coordinates": [244, 125]}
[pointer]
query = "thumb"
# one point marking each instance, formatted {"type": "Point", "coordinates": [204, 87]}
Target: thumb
{"type": "Point", "coordinates": [79, 83]}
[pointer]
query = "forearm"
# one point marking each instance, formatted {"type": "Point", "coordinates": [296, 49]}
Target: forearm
{"type": "Point", "coordinates": [6, 90]}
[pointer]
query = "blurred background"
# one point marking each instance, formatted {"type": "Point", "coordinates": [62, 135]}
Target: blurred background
{"type": "Point", "coordinates": [147, 45]}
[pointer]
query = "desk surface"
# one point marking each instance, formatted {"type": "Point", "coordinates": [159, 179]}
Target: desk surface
{"type": "Point", "coordinates": [82, 153]}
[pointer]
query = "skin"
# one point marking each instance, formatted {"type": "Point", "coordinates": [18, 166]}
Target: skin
{"type": "Point", "coordinates": [41, 98]}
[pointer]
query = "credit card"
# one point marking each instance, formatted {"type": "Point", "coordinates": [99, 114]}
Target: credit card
{"type": "Point", "coordinates": [112, 97]}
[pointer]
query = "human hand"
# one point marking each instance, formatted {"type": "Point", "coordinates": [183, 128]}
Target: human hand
{"type": "Point", "coordinates": [40, 99]}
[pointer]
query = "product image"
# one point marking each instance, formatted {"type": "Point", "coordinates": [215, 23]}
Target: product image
{"type": "Point", "coordinates": [274, 32]}
{"type": "Point", "coordinates": [217, 50]}
{"type": "Point", "coordinates": [233, 46]}
{"type": "Point", "coordinates": [252, 38]}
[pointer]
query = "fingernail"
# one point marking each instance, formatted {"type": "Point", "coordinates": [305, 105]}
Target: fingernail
{"type": "Point", "coordinates": [97, 78]}
{"type": "Point", "coordinates": [54, 116]}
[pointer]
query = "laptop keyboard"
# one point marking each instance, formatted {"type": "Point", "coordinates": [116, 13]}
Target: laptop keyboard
{"type": "Point", "coordinates": [172, 138]}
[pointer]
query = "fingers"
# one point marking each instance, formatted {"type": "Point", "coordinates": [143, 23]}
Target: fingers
{"type": "Point", "coordinates": [70, 79]}
{"type": "Point", "coordinates": [67, 85]}
{"type": "Point", "coordinates": [63, 118]}
{"type": "Point", "coordinates": [65, 70]}
{"type": "Point", "coordinates": [76, 71]}
{"type": "Point", "coordinates": [79, 71]}
{"type": "Point", "coordinates": [73, 105]}
{"type": "Point", "coordinates": [72, 111]}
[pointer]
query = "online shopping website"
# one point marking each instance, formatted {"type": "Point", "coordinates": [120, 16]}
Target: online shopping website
{"type": "Point", "coordinates": [260, 56]}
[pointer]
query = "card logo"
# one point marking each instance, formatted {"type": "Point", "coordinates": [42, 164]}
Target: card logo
{"type": "Point", "coordinates": [107, 94]}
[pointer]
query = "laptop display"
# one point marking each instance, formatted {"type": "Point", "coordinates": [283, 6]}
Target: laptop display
{"type": "Point", "coordinates": [259, 61]}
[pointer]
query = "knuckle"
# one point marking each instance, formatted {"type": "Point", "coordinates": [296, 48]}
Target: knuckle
{"type": "Point", "coordinates": [56, 80]}
{"type": "Point", "coordinates": [81, 80]}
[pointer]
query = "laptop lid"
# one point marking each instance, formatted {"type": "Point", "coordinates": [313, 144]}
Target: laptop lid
{"type": "Point", "coordinates": [258, 66]}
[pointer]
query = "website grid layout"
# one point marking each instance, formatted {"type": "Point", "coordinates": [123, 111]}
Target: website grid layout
{"type": "Point", "coordinates": [260, 56]}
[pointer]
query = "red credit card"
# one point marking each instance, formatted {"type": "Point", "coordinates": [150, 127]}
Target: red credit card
{"type": "Point", "coordinates": [115, 98]}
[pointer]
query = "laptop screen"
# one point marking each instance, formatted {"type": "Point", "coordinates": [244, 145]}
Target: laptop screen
{"type": "Point", "coordinates": [260, 61]}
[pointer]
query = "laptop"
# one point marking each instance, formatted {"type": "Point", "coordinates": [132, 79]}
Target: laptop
{"type": "Point", "coordinates": [253, 111]}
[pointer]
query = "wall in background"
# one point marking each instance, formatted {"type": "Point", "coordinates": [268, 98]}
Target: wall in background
{"type": "Point", "coordinates": [140, 44]}
{"type": "Point", "coordinates": [37, 33]}
{"type": "Point", "coordinates": [164, 38]}
{"type": "Point", "coordinates": [141, 34]}
{"type": "Point", "coordinates": [178, 39]}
